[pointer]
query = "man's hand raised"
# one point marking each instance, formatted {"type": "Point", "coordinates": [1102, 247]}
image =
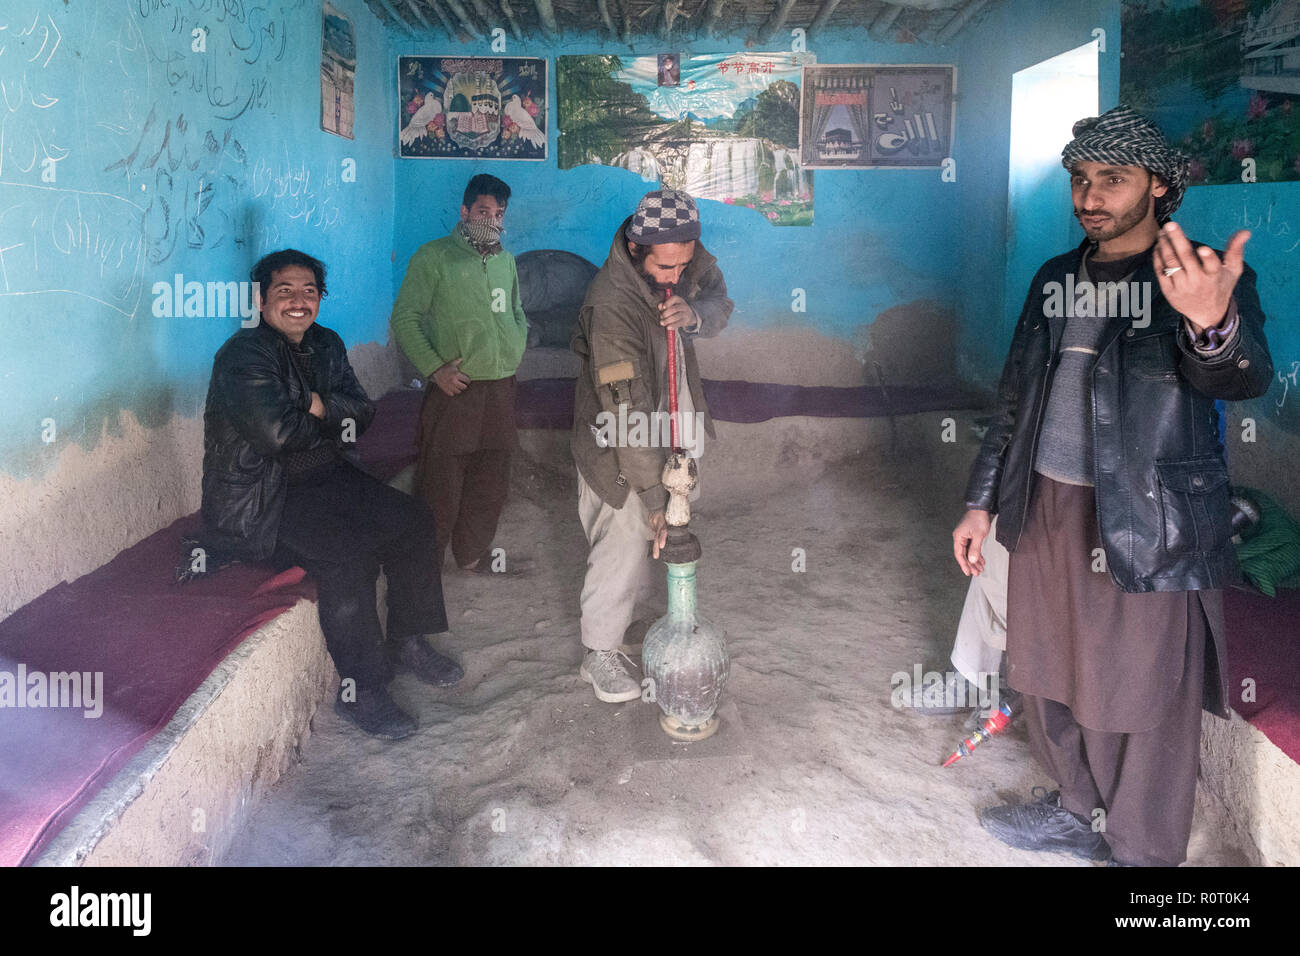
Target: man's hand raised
{"type": "Point", "coordinates": [968, 539]}
{"type": "Point", "coordinates": [1196, 282]}
{"type": "Point", "coordinates": [451, 379]}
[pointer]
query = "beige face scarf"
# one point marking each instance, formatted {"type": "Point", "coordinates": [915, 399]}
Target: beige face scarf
{"type": "Point", "coordinates": [483, 233]}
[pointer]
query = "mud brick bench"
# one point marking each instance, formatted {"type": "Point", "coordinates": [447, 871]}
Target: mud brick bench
{"type": "Point", "coordinates": [206, 693]}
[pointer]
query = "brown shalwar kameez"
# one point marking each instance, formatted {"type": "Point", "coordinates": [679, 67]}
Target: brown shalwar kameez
{"type": "Point", "coordinates": [463, 471]}
{"type": "Point", "coordinates": [1113, 682]}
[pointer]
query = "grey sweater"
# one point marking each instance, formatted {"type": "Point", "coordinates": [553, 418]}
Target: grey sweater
{"type": "Point", "coordinates": [1065, 442]}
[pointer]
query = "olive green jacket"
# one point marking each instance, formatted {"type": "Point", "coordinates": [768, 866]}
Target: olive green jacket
{"type": "Point", "coordinates": [624, 353]}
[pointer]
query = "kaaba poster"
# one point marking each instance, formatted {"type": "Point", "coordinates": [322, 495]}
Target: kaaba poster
{"type": "Point", "coordinates": [864, 116]}
{"type": "Point", "coordinates": [468, 107]}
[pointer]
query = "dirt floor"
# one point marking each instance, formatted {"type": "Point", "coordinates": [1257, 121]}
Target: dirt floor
{"type": "Point", "coordinates": [520, 764]}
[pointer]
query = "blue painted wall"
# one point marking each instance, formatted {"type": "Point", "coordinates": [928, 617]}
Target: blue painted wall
{"type": "Point", "coordinates": [166, 160]}
{"type": "Point", "coordinates": [169, 160]}
{"type": "Point", "coordinates": [880, 238]}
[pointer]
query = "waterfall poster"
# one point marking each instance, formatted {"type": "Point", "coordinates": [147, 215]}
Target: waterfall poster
{"type": "Point", "coordinates": [338, 71]}
{"type": "Point", "coordinates": [722, 127]}
{"type": "Point", "coordinates": [471, 107]}
{"type": "Point", "coordinates": [1221, 78]}
{"type": "Point", "coordinates": [867, 116]}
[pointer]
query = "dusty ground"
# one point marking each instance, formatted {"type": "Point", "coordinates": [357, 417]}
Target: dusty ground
{"type": "Point", "coordinates": [520, 764]}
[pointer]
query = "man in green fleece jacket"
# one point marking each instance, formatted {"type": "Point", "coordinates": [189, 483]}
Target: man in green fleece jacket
{"type": "Point", "coordinates": [459, 319]}
{"type": "Point", "coordinates": [658, 276]}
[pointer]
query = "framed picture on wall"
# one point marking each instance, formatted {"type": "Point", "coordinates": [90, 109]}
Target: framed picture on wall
{"type": "Point", "coordinates": [869, 116]}
{"type": "Point", "coordinates": [471, 107]}
{"type": "Point", "coordinates": [338, 71]}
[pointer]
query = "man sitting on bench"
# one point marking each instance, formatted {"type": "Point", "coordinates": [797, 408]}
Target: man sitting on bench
{"type": "Point", "coordinates": [283, 405]}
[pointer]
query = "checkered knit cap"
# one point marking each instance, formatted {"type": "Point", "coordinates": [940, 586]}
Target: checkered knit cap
{"type": "Point", "coordinates": [665, 215]}
{"type": "Point", "coordinates": [1127, 138]}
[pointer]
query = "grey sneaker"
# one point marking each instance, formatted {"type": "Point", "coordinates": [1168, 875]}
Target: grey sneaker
{"type": "Point", "coordinates": [954, 696]}
{"type": "Point", "coordinates": [612, 675]}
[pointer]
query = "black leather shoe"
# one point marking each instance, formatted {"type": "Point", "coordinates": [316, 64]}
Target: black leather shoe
{"type": "Point", "coordinates": [378, 715]}
{"type": "Point", "coordinates": [415, 654]}
{"type": "Point", "coordinates": [1043, 824]}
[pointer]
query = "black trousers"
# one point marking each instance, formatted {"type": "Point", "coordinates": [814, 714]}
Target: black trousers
{"type": "Point", "coordinates": [342, 527]}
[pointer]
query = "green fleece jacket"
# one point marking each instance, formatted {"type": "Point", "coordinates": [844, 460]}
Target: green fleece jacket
{"type": "Point", "coordinates": [456, 304]}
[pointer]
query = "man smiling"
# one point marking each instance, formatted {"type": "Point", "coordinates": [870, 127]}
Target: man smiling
{"type": "Point", "coordinates": [282, 409]}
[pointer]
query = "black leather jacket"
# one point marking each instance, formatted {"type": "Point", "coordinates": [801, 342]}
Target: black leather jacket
{"type": "Point", "coordinates": [1161, 479]}
{"type": "Point", "coordinates": [256, 411]}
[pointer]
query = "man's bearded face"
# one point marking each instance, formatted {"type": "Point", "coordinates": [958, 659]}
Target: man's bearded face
{"type": "Point", "coordinates": [663, 265]}
{"type": "Point", "coordinates": [1110, 200]}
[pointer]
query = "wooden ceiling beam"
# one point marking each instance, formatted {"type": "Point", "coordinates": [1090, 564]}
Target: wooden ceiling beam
{"type": "Point", "coordinates": [443, 18]}
{"type": "Point", "coordinates": [776, 21]}
{"type": "Point", "coordinates": [602, 8]}
{"type": "Point", "coordinates": [823, 14]}
{"type": "Point", "coordinates": [510, 18]}
{"type": "Point", "coordinates": [400, 20]}
{"type": "Point", "coordinates": [547, 14]}
{"type": "Point", "coordinates": [884, 20]}
{"type": "Point", "coordinates": [959, 20]}
{"type": "Point", "coordinates": [711, 18]}
{"type": "Point", "coordinates": [462, 17]}
{"type": "Point", "coordinates": [410, 5]}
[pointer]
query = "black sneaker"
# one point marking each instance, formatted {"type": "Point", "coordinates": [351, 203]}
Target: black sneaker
{"type": "Point", "coordinates": [1043, 824]}
{"type": "Point", "coordinates": [415, 654]}
{"type": "Point", "coordinates": [378, 715]}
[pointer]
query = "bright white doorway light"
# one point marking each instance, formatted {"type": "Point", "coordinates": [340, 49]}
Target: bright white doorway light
{"type": "Point", "coordinates": [1046, 101]}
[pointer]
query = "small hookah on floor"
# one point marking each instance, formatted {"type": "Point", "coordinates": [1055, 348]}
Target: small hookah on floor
{"type": "Point", "coordinates": [684, 654]}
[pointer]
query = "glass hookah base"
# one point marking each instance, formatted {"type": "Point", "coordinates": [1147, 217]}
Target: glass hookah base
{"type": "Point", "coordinates": [678, 730]}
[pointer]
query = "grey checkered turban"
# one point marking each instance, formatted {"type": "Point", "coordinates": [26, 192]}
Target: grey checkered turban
{"type": "Point", "coordinates": [665, 215]}
{"type": "Point", "coordinates": [1127, 138]}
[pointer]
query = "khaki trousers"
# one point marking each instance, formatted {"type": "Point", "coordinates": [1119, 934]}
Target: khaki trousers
{"type": "Point", "coordinates": [620, 571]}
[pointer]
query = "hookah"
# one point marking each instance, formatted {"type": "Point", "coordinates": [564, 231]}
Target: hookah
{"type": "Point", "coordinates": [684, 654]}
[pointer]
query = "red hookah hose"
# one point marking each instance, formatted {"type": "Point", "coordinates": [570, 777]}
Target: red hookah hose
{"type": "Point", "coordinates": [672, 378]}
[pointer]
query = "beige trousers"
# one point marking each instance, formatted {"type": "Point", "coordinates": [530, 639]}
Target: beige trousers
{"type": "Point", "coordinates": [982, 630]}
{"type": "Point", "coordinates": [620, 571]}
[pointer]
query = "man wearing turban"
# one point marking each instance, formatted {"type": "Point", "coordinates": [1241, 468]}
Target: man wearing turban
{"type": "Point", "coordinates": [1104, 467]}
